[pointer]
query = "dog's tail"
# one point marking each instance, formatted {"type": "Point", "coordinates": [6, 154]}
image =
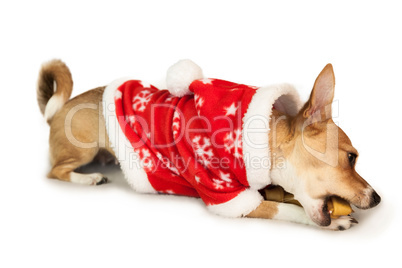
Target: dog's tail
{"type": "Point", "coordinates": [55, 85]}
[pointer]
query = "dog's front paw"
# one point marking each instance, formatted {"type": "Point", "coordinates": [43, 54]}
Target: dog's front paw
{"type": "Point", "coordinates": [342, 223]}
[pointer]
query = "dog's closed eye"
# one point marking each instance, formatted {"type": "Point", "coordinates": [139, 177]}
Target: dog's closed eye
{"type": "Point", "coordinates": [352, 159]}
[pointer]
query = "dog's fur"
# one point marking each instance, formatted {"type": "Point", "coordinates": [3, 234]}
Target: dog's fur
{"type": "Point", "coordinates": [319, 157]}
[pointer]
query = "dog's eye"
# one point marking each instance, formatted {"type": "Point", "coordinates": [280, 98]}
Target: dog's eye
{"type": "Point", "coordinates": [352, 159]}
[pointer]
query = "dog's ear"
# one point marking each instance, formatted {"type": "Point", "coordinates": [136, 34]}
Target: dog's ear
{"type": "Point", "coordinates": [322, 94]}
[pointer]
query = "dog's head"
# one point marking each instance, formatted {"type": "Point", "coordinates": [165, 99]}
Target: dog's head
{"type": "Point", "coordinates": [319, 157]}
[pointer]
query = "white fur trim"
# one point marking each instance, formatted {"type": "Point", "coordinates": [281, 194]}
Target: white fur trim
{"type": "Point", "coordinates": [129, 160]}
{"type": "Point", "coordinates": [180, 75]}
{"type": "Point", "coordinates": [256, 129]}
{"type": "Point", "coordinates": [54, 104]}
{"type": "Point", "coordinates": [240, 206]}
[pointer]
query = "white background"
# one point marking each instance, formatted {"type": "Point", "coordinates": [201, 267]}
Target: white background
{"type": "Point", "coordinates": [48, 223]}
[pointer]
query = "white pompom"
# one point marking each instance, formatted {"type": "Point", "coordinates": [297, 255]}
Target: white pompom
{"type": "Point", "coordinates": [181, 75]}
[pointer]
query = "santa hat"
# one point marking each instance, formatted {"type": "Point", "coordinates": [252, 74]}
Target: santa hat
{"type": "Point", "coordinates": [185, 78]}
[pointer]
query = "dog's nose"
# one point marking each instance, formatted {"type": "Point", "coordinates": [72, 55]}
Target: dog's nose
{"type": "Point", "coordinates": [375, 199]}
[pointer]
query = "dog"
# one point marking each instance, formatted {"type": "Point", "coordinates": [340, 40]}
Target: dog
{"type": "Point", "coordinates": [317, 159]}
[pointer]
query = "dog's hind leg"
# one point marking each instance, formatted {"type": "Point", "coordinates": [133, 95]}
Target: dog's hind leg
{"type": "Point", "coordinates": [77, 137]}
{"type": "Point", "coordinates": [65, 165]}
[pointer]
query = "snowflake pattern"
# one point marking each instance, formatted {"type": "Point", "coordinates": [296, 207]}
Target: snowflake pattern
{"type": "Point", "coordinates": [207, 81]}
{"type": "Point", "coordinates": [223, 181]}
{"type": "Point", "coordinates": [231, 110]}
{"type": "Point", "coordinates": [176, 123]}
{"type": "Point", "coordinates": [233, 143]}
{"type": "Point", "coordinates": [167, 192]}
{"type": "Point", "coordinates": [146, 160]}
{"type": "Point", "coordinates": [218, 184]}
{"type": "Point", "coordinates": [202, 149]}
{"type": "Point", "coordinates": [166, 162]}
{"type": "Point", "coordinates": [199, 101]}
{"type": "Point", "coordinates": [131, 120]}
{"type": "Point", "coordinates": [147, 134]}
{"type": "Point", "coordinates": [141, 100]}
{"type": "Point", "coordinates": [118, 95]}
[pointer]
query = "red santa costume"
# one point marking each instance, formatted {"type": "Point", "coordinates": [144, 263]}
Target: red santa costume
{"type": "Point", "coordinates": [204, 138]}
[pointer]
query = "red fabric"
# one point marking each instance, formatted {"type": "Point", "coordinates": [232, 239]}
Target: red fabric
{"type": "Point", "coordinates": [190, 145]}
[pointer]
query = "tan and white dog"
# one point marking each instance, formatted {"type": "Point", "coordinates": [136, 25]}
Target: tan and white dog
{"type": "Point", "coordinates": [319, 157]}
